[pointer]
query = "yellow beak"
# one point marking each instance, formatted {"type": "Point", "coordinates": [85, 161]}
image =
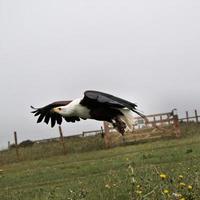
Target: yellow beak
{"type": "Point", "coordinates": [54, 109]}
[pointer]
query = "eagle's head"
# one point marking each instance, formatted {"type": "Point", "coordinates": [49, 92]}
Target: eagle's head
{"type": "Point", "coordinates": [60, 110]}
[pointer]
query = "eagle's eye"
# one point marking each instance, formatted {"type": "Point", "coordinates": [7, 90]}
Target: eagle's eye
{"type": "Point", "coordinates": [60, 109]}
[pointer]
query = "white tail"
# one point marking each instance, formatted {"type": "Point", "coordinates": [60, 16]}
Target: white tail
{"type": "Point", "coordinates": [128, 118]}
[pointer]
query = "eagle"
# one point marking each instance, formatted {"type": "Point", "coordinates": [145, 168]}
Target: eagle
{"type": "Point", "coordinates": [94, 105]}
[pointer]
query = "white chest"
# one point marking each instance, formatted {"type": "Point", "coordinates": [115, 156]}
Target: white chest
{"type": "Point", "coordinates": [76, 109]}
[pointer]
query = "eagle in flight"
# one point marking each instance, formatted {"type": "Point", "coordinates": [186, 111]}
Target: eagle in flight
{"type": "Point", "coordinates": [94, 105]}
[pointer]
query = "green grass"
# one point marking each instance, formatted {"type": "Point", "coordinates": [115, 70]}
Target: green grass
{"type": "Point", "coordinates": [54, 148]}
{"type": "Point", "coordinates": [128, 172]}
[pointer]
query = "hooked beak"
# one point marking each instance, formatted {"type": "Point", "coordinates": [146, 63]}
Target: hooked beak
{"type": "Point", "coordinates": [54, 110]}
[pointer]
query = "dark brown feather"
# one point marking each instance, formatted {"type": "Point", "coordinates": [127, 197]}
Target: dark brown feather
{"type": "Point", "coordinates": [95, 99]}
{"type": "Point", "coordinates": [40, 118]}
{"type": "Point", "coordinates": [71, 119]}
{"type": "Point", "coordinates": [53, 120]}
{"type": "Point", "coordinates": [47, 118]}
{"type": "Point", "coordinates": [47, 113]}
{"type": "Point", "coordinates": [59, 119]}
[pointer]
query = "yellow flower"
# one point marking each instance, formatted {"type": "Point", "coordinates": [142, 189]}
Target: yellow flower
{"type": "Point", "coordinates": [180, 176]}
{"type": "Point", "coordinates": [107, 186]}
{"type": "Point", "coordinates": [138, 186]}
{"type": "Point", "coordinates": [165, 191]}
{"type": "Point", "coordinates": [189, 187]}
{"type": "Point", "coordinates": [163, 176]}
{"type": "Point", "coordinates": [138, 191]}
{"type": "Point", "coordinates": [182, 184]}
{"type": "Point", "coordinates": [182, 198]}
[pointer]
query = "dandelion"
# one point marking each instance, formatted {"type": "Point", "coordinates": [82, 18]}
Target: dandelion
{"type": "Point", "coordinates": [138, 191]}
{"type": "Point", "coordinates": [163, 176]}
{"type": "Point", "coordinates": [180, 176]}
{"type": "Point", "coordinates": [181, 184]}
{"type": "Point", "coordinates": [138, 186]}
{"type": "Point", "coordinates": [165, 191]}
{"type": "Point", "coordinates": [189, 187]}
{"type": "Point", "coordinates": [107, 186]}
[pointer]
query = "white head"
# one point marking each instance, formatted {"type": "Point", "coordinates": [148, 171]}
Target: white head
{"type": "Point", "coordinates": [60, 110]}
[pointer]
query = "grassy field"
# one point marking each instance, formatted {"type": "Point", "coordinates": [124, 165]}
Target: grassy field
{"type": "Point", "coordinates": [167, 169]}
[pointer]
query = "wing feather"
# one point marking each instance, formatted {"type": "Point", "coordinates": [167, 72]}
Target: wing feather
{"type": "Point", "coordinates": [53, 120]}
{"type": "Point", "coordinates": [71, 119]}
{"type": "Point", "coordinates": [47, 118]}
{"type": "Point", "coordinates": [40, 118]}
{"type": "Point", "coordinates": [94, 99]}
{"type": "Point", "coordinates": [59, 119]}
{"type": "Point", "coordinates": [47, 113]}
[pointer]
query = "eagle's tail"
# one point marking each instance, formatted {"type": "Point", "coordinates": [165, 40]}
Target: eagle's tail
{"type": "Point", "coordinates": [128, 118]}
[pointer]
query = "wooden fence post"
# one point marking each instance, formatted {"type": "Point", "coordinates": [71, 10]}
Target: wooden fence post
{"type": "Point", "coordinates": [62, 140]}
{"type": "Point", "coordinates": [168, 119]}
{"type": "Point", "coordinates": [154, 122]}
{"type": "Point", "coordinates": [102, 132]}
{"type": "Point", "coordinates": [8, 144]}
{"type": "Point", "coordinates": [107, 137]}
{"type": "Point", "coordinates": [16, 145]}
{"type": "Point", "coordinates": [176, 125]}
{"type": "Point", "coordinates": [196, 116]}
{"type": "Point", "coordinates": [154, 119]}
{"type": "Point", "coordinates": [161, 122]}
{"type": "Point", "coordinates": [187, 116]}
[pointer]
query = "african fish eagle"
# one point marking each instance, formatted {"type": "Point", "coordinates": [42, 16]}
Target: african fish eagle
{"type": "Point", "coordinates": [94, 105]}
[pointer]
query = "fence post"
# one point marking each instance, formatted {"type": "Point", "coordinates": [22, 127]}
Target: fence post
{"type": "Point", "coordinates": [154, 122]}
{"type": "Point", "coordinates": [168, 119]}
{"type": "Point", "coordinates": [187, 116]}
{"type": "Point", "coordinates": [161, 122]}
{"type": "Point", "coordinates": [176, 124]}
{"type": "Point", "coordinates": [62, 140]}
{"type": "Point", "coordinates": [16, 145]}
{"type": "Point", "coordinates": [102, 132]}
{"type": "Point", "coordinates": [107, 137]}
{"type": "Point", "coordinates": [196, 116]}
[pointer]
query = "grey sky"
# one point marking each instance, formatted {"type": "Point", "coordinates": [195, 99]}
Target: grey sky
{"type": "Point", "coordinates": [144, 51]}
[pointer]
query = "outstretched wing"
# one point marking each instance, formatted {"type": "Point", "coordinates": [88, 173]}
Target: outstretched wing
{"type": "Point", "coordinates": [94, 99]}
{"type": "Point", "coordinates": [46, 113]}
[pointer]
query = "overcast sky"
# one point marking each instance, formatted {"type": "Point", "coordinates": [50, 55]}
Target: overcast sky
{"type": "Point", "coordinates": [144, 51]}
